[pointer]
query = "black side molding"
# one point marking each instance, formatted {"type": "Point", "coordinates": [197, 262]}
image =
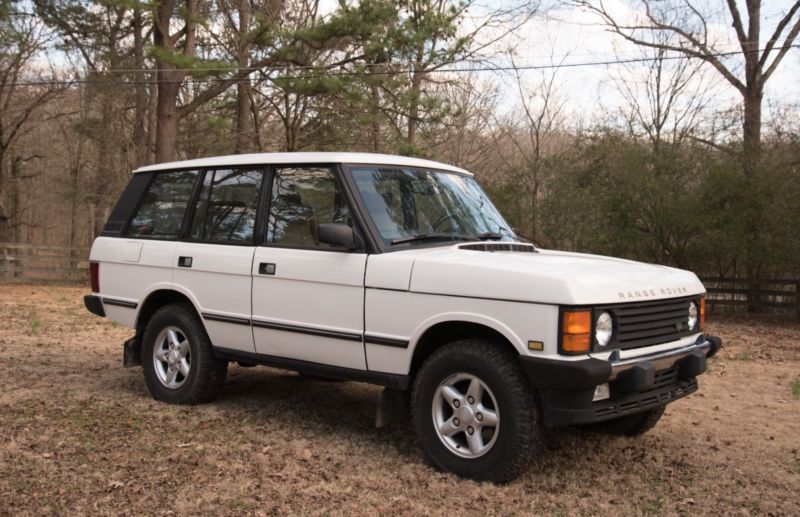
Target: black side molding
{"type": "Point", "coordinates": [307, 330]}
{"type": "Point", "coordinates": [385, 341]}
{"type": "Point", "coordinates": [570, 375]}
{"type": "Point", "coordinates": [391, 380]}
{"type": "Point", "coordinates": [120, 303]}
{"type": "Point", "coordinates": [94, 304]}
{"type": "Point", "coordinates": [226, 319]}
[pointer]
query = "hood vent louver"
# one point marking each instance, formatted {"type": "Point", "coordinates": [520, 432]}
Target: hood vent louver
{"type": "Point", "coordinates": [499, 246]}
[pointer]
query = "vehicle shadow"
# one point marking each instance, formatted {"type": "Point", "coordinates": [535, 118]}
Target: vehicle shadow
{"type": "Point", "coordinates": [339, 408]}
{"type": "Point", "coordinates": [344, 412]}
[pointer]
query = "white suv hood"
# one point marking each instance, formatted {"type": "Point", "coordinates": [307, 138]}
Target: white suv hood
{"type": "Point", "coordinates": [545, 276]}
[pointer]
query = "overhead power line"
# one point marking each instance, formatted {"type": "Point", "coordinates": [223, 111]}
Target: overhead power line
{"type": "Point", "coordinates": [323, 71]}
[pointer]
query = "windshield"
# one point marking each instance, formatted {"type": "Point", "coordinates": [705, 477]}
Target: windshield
{"type": "Point", "coordinates": [415, 205]}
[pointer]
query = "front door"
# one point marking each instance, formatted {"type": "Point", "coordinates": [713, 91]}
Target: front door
{"type": "Point", "coordinates": [308, 298]}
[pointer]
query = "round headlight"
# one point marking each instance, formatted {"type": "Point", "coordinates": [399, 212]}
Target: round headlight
{"type": "Point", "coordinates": [692, 320]}
{"type": "Point", "coordinates": [603, 328]}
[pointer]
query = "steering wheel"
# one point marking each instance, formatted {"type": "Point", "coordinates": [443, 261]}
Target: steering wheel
{"type": "Point", "coordinates": [446, 217]}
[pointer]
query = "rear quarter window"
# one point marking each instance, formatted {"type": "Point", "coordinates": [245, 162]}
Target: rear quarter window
{"type": "Point", "coordinates": [160, 212]}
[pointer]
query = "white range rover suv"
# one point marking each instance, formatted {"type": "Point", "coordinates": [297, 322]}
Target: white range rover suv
{"type": "Point", "coordinates": [399, 272]}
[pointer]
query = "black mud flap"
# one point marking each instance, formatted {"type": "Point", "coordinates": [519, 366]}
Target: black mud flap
{"type": "Point", "coordinates": [132, 353]}
{"type": "Point", "coordinates": [393, 407]}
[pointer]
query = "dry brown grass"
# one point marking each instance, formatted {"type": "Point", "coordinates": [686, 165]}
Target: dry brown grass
{"type": "Point", "coordinates": [80, 434]}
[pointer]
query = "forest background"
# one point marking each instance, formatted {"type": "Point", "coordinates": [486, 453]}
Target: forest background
{"type": "Point", "coordinates": [687, 158]}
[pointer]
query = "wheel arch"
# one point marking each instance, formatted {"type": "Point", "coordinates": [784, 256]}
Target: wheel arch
{"type": "Point", "coordinates": [158, 298]}
{"type": "Point", "coordinates": [455, 328]}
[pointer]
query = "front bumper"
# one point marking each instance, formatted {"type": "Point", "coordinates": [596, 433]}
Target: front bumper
{"type": "Point", "coordinates": [636, 384]}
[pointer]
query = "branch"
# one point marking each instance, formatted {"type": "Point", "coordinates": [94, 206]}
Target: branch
{"type": "Point", "coordinates": [777, 34]}
{"type": "Point", "coordinates": [737, 23]}
{"type": "Point", "coordinates": [700, 50]}
{"type": "Point", "coordinates": [213, 91]}
{"type": "Point", "coordinates": [710, 143]}
{"type": "Point", "coordinates": [788, 42]}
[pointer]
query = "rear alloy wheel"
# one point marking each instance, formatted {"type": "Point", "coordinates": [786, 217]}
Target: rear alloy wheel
{"type": "Point", "coordinates": [474, 413]}
{"type": "Point", "coordinates": [178, 359]}
{"type": "Point", "coordinates": [172, 357]}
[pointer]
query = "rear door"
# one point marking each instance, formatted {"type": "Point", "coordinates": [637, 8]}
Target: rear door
{"type": "Point", "coordinates": [308, 298]}
{"type": "Point", "coordinates": [138, 244]}
{"type": "Point", "coordinates": [214, 260]}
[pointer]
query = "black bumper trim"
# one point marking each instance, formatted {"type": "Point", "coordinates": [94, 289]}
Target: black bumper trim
{"type": "Point", "coordinates": [568, 375]}
{"type": "Point", "coordinates": [94, 304]}
{"type": "Point", "coordinates": [637, 384]}
{"type": "Point", "coordinates": [560, 412]}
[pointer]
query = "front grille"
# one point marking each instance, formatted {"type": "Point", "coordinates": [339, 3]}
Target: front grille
{"type": "Point", "coordinates": [651, 323]}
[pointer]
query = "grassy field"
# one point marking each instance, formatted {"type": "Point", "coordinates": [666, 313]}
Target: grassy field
{"type": "Point", "coordinates": [80, 434]}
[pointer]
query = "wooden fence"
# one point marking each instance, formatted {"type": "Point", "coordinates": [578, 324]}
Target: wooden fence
{"type": "Point", "coordinates": [741, 295]}
{"type": "Point", "coordinates": [26, 263]}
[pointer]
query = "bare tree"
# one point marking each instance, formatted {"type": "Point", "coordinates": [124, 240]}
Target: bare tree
{"type": "Point", "coordinates": [22, 99]}
{"type": "Point", "coordinates": [664, 98]}
{"type": "Point", "coordinates": [686, 29]}
{"type": "Point", "coordinates": [532, 134]}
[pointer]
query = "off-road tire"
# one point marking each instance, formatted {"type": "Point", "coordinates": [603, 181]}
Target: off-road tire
{"type": "Point", "coordinates": [520, 433]}
{"type": "Point", "coordinates": [207, 373]}
{"type": "Point", "coordinates": [630, 425]}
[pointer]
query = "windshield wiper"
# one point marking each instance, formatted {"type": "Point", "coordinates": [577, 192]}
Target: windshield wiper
{"type": "Point", "coordinates": [489, 236]}
{"type": "Point", "coordinates": [430, 237]}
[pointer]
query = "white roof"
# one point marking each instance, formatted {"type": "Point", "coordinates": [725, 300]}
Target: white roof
{"type": "Point", "coordinates": [300, 158]}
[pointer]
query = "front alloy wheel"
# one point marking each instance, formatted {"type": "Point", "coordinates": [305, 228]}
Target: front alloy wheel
{"type": "Point", "coordinates": [474, 412]}
{"type": "Point", "coordinates": [465, 415]}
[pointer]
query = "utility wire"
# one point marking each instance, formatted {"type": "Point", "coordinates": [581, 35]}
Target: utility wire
{"type": "Point", "coordinates": [325, 72]}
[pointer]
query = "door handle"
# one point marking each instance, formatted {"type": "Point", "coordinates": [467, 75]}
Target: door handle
{"type": "Point", "coordinates": [266, 268]}
{"type": "Point", "coordinates": [184, 261]}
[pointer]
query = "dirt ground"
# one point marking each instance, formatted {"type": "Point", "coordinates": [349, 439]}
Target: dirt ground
{"type": "Point", "coordinates": [80, 434]}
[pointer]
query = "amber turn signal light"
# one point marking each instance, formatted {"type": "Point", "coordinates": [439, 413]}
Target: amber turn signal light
{"type": "Point", "coordinates": [576, 332]}
{"type": "Point", "coordinates": [702, 312]}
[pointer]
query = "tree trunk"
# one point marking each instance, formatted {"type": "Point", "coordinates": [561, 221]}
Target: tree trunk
{"type": "Point", "coordinates": [105, 167]}
{"type": "Point", "coordinates": [244, 122]}
{"type": "Point", "coordinates": [751, 164]}
{"type": "Point", "coordinates": [413, 111]}
{"type": "Point", "coordinates": [15, 208]}
{"type": "Point", "coordinates": [753, 101]}
{"type": "Point", "coordinates": [169, 79]}
{"type": "Point", "coordinates": [140, 102]}
{"type": "Point", "coordinates": [152, 117]}
{"type": "Point", "coordinates": [258, 143]}
{"type": "Point", "coordinates": [5, 214]}
{"type": "Point", "coordinates": [375, 124]}
{"type": "Point", "coordinates": [166, 116]}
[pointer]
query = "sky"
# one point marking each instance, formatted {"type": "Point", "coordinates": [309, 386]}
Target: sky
{"type": "Point", "coordinates": [561, 33]}
{"type": "Point", "coordinates": [569, 35]}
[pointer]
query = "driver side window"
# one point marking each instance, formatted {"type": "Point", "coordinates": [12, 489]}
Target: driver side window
{"type": "Point", "coordinates": [301, 199]}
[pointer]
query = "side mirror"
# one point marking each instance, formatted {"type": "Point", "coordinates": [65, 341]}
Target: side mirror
{"type": "Point", "coordinates": [338, 235]}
